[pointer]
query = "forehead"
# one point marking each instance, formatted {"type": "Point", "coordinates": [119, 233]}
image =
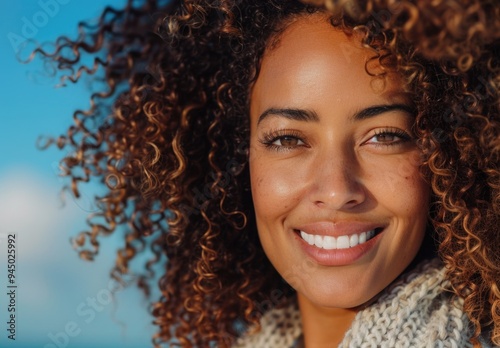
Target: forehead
{"type": "Point", "coordinates": [313, 57]}
{"type": "Point", "coordinates": [313, 36]}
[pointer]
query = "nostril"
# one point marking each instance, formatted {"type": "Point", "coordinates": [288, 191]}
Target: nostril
{"type": "Point", "coordinates": [337, 192]}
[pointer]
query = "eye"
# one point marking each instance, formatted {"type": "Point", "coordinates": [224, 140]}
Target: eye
{"type": "Point", "coordinates": [282, 140]}
{"type": "Point", "coordinates": [389, 137]}
{"type": "Point", "coordinates": [287, 141]}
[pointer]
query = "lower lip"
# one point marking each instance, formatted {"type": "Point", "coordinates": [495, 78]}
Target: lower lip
{"type": "Point", "coordinates": [338, 257]}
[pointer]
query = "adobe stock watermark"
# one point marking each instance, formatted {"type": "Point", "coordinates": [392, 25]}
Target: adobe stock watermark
{"type": "Point", "coordinates": [8, 245]}
{"type": "Point", "coordinates": [87, 311]}
{"type": "Point", "coordinates": [31, 24]}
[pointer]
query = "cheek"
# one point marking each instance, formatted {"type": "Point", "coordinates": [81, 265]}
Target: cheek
{"type": "Point", "coordinates": [400, 186]}
{"type": "Point", "coordinates": [268, 193]}
{"type": "Point", "coordinates": [275, 187]}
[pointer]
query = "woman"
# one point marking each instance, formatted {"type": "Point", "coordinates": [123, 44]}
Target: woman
{"type": "Point", "coordinates": [296, 168]}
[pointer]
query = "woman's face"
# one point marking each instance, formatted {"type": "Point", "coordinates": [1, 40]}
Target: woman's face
{"type": "Point", "coordinates": [340, 206]}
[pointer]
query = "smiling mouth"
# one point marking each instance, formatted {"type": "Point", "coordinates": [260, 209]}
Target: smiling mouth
{"type": "Point", "coordinates": [340, 242]}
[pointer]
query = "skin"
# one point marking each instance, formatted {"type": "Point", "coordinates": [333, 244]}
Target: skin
{"type": "Point", "coordinates": [334, 169]}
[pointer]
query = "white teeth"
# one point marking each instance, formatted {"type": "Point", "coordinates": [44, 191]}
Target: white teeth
{"type": "Point", "coordinates": [353, 241]}
{"type": "Point", "coordinates": [340, 242]}
{"type": "Point", "coordinates": [362, 238]}
{"type": "Point", "coordinates": [329, 242]}
{"type": "Point", "coordinates": [304, 235]}
{"type": "Point", "coordinates": [343, 242]}
{"type": "Point", "coordinates": [318, 241]}
{"type": "Point", "coordinates": [310, 239]}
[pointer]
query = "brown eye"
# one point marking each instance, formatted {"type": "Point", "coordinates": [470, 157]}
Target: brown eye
{"type": "Point", "coordinates": [287, 141]}
{"type": "Point", "coordinates": [390, 137]}
{"type": "Point", "coordinates": [386, 138]}
{"type": "Point", "coordinates": [283, 140]}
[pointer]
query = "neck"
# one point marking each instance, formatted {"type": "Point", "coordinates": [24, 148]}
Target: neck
{"type": "Point", "coordinates": [323, 327]}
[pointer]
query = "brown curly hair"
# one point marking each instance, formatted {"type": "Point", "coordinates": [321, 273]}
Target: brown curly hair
{"type": "Point", "coordinates": [169, 134]}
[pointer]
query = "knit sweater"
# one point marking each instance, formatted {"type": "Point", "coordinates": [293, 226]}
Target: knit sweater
{"type": "Point", "coordinates": [416, 310]}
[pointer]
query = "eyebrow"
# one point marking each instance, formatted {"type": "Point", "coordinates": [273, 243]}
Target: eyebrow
{"type": "Point", "coordinates": [292, 114]}
{"type": "Point", "coordinates": [380, 109]}
{"type": "Point", "coordinates": [311, 116]}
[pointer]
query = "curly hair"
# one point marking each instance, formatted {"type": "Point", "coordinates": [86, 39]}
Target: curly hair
{"type": "Point", "coordinates": [169, 137]}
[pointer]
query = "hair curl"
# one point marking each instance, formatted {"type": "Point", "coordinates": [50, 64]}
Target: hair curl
{"type": "Point", "coordinates": [173, 148]}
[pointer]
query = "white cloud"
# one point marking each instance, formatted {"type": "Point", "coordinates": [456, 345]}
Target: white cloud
{"type": "Point", "coordinates": [31, 207]}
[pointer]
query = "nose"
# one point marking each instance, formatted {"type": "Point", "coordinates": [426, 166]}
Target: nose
{"type": "Point", "coordinates": [336, 182]}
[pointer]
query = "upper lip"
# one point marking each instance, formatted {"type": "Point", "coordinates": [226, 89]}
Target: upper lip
{"type": "Point", "coordinates": [338, 228]}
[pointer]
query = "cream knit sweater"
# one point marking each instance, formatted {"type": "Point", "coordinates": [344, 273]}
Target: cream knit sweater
{"type": "Point", "coordinates": [415, 311]}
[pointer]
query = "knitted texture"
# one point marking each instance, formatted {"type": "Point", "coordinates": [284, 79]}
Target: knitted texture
{"type": "Point", "coordinates": [414, 311]}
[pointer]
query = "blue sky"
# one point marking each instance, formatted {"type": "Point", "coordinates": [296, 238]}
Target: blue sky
{"type": "Point", "coordinates": [61, 301]}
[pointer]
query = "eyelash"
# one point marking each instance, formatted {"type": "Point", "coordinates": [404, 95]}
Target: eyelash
{"type": "Point", "coordinates": [268, 139]}
{"type": "Point", "coordinates": [399, 133]}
